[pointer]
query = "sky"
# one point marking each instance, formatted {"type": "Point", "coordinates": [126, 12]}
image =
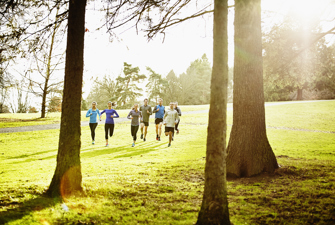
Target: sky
{"type": "Point", "coordinates": [183, 43]}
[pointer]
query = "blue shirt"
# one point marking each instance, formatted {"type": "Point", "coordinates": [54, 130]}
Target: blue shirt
{"type": "Point", "coordinates": [109, 113]}
{"type": "Point", "coordinates": [93, 115]}
{"type": "Point", "coordinates": [160, 113]}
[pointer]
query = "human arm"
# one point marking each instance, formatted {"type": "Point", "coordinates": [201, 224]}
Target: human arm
{"type": "Point", "coordinates": [164, 118]}
{"type": "Point", "coordinates": [179, 111]}
{"type": "Point", "coordinates": [102, 113]}
{"type": "Point", "coordinates": [98, 112]}
{"type": "Point", "coordinates": [129, 115]}
{"type": "Point", "coordinates": [149, 111]}
{"type": "Point", "coordinates": [177, 118]}
{"type": "Point", "coordinates": [89, 113]}
{"type": "Point", "coordinates": [155, 109]}
{"type": "Point", "coordinates": [116, 115]}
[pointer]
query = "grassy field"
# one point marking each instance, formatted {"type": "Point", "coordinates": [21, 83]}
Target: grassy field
{"type": "Point", "coordinates": [154, 184]}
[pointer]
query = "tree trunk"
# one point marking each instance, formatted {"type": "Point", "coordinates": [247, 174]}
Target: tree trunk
{"type": "Point", "coordinates": [67, 178]}
{"type": "Point", "coordinates": [44, 97]}
{"type": "Point", "coordinates": [249, 152]}
{"type": "Point", "coordinates": [299, 94]}
{"type": "Point", "coordinates": [214, 208]}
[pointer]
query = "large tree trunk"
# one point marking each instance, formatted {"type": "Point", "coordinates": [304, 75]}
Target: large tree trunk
{"type": "Point", "coordinates": [214, 208]}
{"type": "Point", "coordinates": [67, 178]}
{"type": "Point", "coordinates": [249, 152]}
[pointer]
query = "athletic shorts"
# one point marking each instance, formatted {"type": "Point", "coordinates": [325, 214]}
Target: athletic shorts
{"type": "Point", "coordinates": [158, 121]}
{"type": "Point", "coordinates": [169, 129]}
{"type": "Point", "coordinates": [145, 123]}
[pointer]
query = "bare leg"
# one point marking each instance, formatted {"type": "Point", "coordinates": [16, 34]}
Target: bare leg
{"type": "Point", "coordinates": [160, 129]}
{"type": "Point", "coordinates": [142, 125]}
{"type": "Point", "coordinates": [170, 137]}
{"type": "Point", "coordinates": [145, 131]}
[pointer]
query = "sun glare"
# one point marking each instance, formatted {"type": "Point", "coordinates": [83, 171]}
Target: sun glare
{"type": "Point", "coordinates": [308, 10]}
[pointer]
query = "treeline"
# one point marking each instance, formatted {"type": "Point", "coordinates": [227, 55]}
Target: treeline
{"type": "Point", "coordinates": [189, 88]}
{"type": "Point", "coordinates": [298, 62]}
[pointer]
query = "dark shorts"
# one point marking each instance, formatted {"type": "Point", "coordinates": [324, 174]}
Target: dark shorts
{"type": "Point", "coordinates": [158, 121]}
{"type": "Point", "coordinates": [145, 123]}
{"type": "Point", "coordinates": [169, 129]}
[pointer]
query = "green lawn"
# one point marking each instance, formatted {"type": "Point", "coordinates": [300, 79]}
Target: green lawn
{"type": "Point", "coordinates": [154, 184]}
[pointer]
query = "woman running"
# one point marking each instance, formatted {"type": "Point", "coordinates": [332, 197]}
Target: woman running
{"type": "Point", "coordinates": [134, 115]}
{"type": "Point", "coordinates": [109, 123]}
{"type": "Point", "coordinates": [93, 113]}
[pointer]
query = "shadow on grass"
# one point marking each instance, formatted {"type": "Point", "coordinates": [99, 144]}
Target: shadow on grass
{"type": "Point", "coordinates": [34, 154]}
{"type": "Point", "coordinates": [18, 210]}
{"type": "Point", "coordinates": [129, 151]}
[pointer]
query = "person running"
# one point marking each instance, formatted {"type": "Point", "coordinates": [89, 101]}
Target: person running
{"type": "Point", "coordinates": [146, 112]}
{"type": "Point", "coordinates": [134, 115]}
{"type": "Point", "coordinates": [159, 110]}
{"type": "Point", "coordinates": [170, 120]}
{"type": "Point", "coordinates": [93, 113]}
{"type": "Point", "coordinates": [109, 123]}
{"type": "Point", "coordinates": [179, 114]}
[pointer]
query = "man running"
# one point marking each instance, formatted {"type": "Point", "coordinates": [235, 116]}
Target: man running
{"type": "Point", "coordinates": [159, 110]}
{"type": "Point", "coordinates": [146, 112]}
{"type": "Point", "coordinates": [179, 114]}
{"type": "Point", "coordinates": [170, 120]}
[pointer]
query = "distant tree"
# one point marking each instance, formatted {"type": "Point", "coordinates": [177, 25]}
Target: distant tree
{"type": "Point", "coordinates": [249, 151]}
{"type": "Point", "coordinates": [46, 66]}
{"type": "Point", "coordinates": [282, 72]}
{"type": "Point", "coordinates": [103, 90]}
{"type": "Point", "coordinates": [32, 110]}
{"type": "Point", "coordinates": [5, 84]}
{"type": "Point", "coordinates": [128, 84]}
{"type": "Point", "coordinates": [19, 97]}
{"type": "Point", "coordinates": [156, 86]}
{"type": "Point", "coordinates": [214, 207]}
{"type": "Point", "coordinates": [55, 104]}
{"type": "Point", "coordinates": [195, 83]}
{"type": "Point", "coordinates": [84, 105]}
{"type": "Point", "coordinates": [173, 88]}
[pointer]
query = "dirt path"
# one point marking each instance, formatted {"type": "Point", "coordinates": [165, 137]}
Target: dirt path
{"type": "Point", "coordinates": [119, 120]}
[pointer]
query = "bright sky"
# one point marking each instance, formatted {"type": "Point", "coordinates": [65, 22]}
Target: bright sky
{"type": "Point", "coordinates": [183, 43]}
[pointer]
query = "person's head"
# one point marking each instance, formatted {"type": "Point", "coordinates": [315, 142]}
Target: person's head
{"type": "Point", "coordinates": [135, 106]}
{"type": "Point", "coordinates": [145, 101]}
{"type": "Point", "coordinates": [175, 104]}
{"type": "Point", "coordinates": [160, 101]}
{"type": "Point", "coordinates": [171, 105]}
{"type": "Point", "coordinates": [110, 104]}
{"type": "Point", "coordinates": [94, 105]}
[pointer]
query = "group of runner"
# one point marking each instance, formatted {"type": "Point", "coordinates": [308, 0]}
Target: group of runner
{"type": "Point", "coordinates": [139, 117]}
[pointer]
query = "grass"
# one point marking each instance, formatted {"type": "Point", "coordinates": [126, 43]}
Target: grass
{"type": "Point", "coordinates": [154, 184]}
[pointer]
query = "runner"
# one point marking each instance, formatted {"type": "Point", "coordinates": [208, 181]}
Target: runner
{"type": "Point", "coordinates": [170, 120]}
{"type": "Point", "coordinates": [146, 112]}
{"type": "Point", "coordinates": [109, 123]}
{"type": "Point", "coordinates": [134, 115]}
{"type": "Point", "coordinates": [159, 110]}
{"type": "Point", "coordinates": [179, 114]}
{"type": "Point", "coordinates": [93, 113]}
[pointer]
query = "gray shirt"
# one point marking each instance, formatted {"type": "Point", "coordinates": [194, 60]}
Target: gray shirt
{"type": "Point", "coordinates": [136, 116]}
{"type": "Point", "coordinates": [145, 114]}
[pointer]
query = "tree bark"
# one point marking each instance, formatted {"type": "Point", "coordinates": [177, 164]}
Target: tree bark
{"type": "Point", "coordinates": [299, 94]}
{"type": "Point", "coordinates": [214, 208]}
{"type": "Point", "coordinates": [249, 152]}
{"type": "Point", "coordinates": [68, 178]}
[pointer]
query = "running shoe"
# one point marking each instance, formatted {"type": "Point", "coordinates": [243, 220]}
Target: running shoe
{"type": "Point", "coordinates": [133, 145]}
{"type": "Point", "coordinates": [169, 145]}
{"type": "Point", "coordinates": [93, 142]}
{"type": "Point", "coordinates": [141, 136]}
{"type": "Point", "coordinates": [144, 139]}
{"type": "Point", "coordinates": [107, 145]}
{"type": "Point", "coordinates": [172, 138]}
{"type": "Point", "coordinates": [178, 131]}
{"type": "Point", "coordinates": [159, 138]}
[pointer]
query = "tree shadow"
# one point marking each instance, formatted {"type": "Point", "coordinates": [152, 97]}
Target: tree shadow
{"type": "Point", "coordinates": [17, 210]}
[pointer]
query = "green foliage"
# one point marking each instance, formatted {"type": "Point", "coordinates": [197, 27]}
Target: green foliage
{"type": "Point", "coordinates": [156, 86]}
{"type": "Point", "coordinates": [293, 61]}
{"type": "Point", "coordinates": [173, 88]}
{"type": "Point", "coordinates": [128, 85]}
{"type": "Point", "coordinates": [103, 91]}
{"type": "Point", "coordinates": [55, 104]}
